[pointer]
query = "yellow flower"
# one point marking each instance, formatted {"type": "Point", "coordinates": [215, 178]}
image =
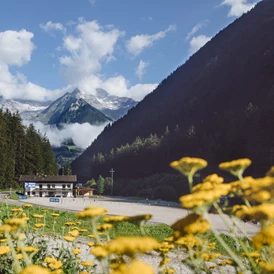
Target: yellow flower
{"type": "Point", "coordinates": [205, 197]}
{"type": "Point", "coordinates": [168, 270]}
{"type": "Point", "coordinates": [236, 167]}
{"type": "Point", "coordinates": [19, 256]}
{"type": "Point", "coordinates": [214, 179]}
{"type": "Point", "coordinates": [90, 244]}
{"type": "Point", "coordinates": [189, 241]}
{"type": "Point", "coordinates": [56, 264]}
{"type": "Point", "coordinates": [76, 251]}
{"type": "Point", "coordinates": [84, 272]}
{"type": "Point", "coordinates": [114, 219]}
{"type": "Point", "coordinates": [264, 237]}
{"type": "Point", "coordinates": [104, 227]}
{"type": "Point", "coordinates": [74, 233]}
{"type": "Point", "coordinates": [130, 245]}
{"type": "Point", "coordinates": [30, 249]}
{"type": "Point", "coordinates": [91, 236]}
{"type": "Point", "coordinates": [44, 210]}
{"type": "Point", "coordinates": [135, 267]}
{"type": "Point", "coordinates": [49, 260]}
{"type": "Point", "coordinates": [4, 250]}
{"type": "Point", "coordinates": [55, 214]}
{"type": "Point", "coordinates": [16, 222]}
{"type": "Point", "coordinates": [254, 254]}
{"type": "Point", "coordinates": [69, 238]}
{"type": "Point", "coordinates": [164, 261]}
{"type": "Point", "coordinates": [38, 216]}
{"type": "Point", "coordinates": [189, 166]}
{"type": "Point", "coordinates": [259, 213]}
{"type": "Point", "coordinates": [35, 269]}
{"type": "Point", "coordinates": [99, 252]}
{"type": "Point", "coordinates": [191, 224]}
{"type": "Point", "coordinates": [139, 218]}
{"type": "Point", "coordinates": [165, 247]}
{"type": "Point", "coordinates": [27, 205]}
{"type": "Point", "coordinates": [39, 225]}
{"type": "Point", "coordinates": [91, 211]}
{"type": "Point", "coordinates": [5, 228]}
{"type": "Point", "coordinates": [226, 262]}
{"type": "Point", "coordinates": [207, 256]}
{"type": "Point", "coordinates": [69, 223]}
{"type": "Point", "coordinates": [88, 263]}
{"type": "Point", "coordinates": [83, 230]}
{"type": "Point", "coordinates": [268, 267]}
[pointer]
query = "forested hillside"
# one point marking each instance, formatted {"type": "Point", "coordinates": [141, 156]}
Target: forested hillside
{"type": "Point", "coordinates": [22, 151]}
{"type": "Point", "coordinates": [218, 106]}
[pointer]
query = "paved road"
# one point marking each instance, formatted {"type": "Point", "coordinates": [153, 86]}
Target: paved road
{"type": "Point", "coordinates": [166, 213]}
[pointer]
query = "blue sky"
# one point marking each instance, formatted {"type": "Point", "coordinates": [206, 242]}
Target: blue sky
{"type": "Point", "coordinates": [126, 47]}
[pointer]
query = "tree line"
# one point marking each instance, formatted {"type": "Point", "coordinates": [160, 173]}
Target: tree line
{"type": "Point", "coordinates": [23, 150]}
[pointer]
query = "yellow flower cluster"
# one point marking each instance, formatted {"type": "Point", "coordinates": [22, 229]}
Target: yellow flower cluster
{"type": "Point", "coordinates": [259, 213]}
{"type": "Point", "coordinates": [236, 167]}
{"type": "Point", "coordinates": [189, 166]}
{"type": "Point", "coordinates": [205, 196]}
{"type": "Point", "coordinates": [192, 224]}
{"type": "Point", "coordinates": [130, 245]}
{"type": "Point", "coordinates": [92, 211]}
{"type": "Point", "coordinates": [134, 267]}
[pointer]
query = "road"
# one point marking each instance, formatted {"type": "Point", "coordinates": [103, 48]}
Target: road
{"type": "Point", "coordinates": [162, 212]}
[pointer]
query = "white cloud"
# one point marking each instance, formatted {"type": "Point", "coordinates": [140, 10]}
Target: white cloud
{"type": "Point", "coordinates": [195, 29]}
{"type": "Point", "coordinates": [117, 85]}
{"type": "Point", "coordinates": [16, 47]}
{"type": "Point", "coordinates": [197, 42]}
{"type": "Point", "coordinates": [136, 44]}
{"type": "Point", "coordinates": [81, 134]}
{"type": "Point", "coordinates": [92, 2]}
{"type": "Point", "coordinates": [141, 69]}
{"type": "Point", "coordinates": [92, 46]}
{"type": "Point", "coordinates": [50, 26]}
{"type": "Point", "coordinates": [238, 7]}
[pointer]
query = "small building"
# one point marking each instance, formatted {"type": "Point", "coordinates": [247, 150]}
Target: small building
{"type": "Point", "coordinates": [49, 185]}
{"type": "Point", "coordinates": [85, 191]}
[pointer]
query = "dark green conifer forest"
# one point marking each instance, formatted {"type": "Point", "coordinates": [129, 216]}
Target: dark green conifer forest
{"type": "Point", "coordinates": [23, 150]}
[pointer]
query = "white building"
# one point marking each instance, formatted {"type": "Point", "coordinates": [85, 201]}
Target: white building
{"type": "Point", "coordinates": [49, 185]}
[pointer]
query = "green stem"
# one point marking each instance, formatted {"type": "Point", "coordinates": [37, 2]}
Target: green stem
{"type": "Point", "coordinates": [225, 246]}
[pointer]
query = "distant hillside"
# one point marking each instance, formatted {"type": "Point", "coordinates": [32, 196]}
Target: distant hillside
{"type": "Point", "coordinates": [218, 105]}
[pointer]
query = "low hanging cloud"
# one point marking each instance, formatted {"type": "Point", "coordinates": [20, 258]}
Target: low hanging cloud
{"type": "Point", "coordinates": [238, 7]}
{"type": "Point", "coordinates": [197, 42]}
{"type": "Point", "coordinates": [81, 134]}
{"type": "Point", "coordinates": [141, 69]}
{"type": "Point", "coordinates": [117, 85]}
{"type": "Point", "coordinates": [136, 44]}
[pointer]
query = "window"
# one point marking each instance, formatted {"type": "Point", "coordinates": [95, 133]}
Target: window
{"type": "Point", "coordinates": [68, 186]}
{"type": "Point", "coordinates": [53, 186]}
{"type": "Point", "coordinates": [48, 186]}
{"type": "Point", "coordinates": [64, 186]}
{"type": "Point", "coordinates": [40, 186]}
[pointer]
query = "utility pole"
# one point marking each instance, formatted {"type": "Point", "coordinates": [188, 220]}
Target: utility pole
{"type": "Point", "coordinates": [112, 171]}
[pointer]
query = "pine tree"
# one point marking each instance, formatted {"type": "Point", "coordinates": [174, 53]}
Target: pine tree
{"type": "Point", "coordinates": [100, 185]}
